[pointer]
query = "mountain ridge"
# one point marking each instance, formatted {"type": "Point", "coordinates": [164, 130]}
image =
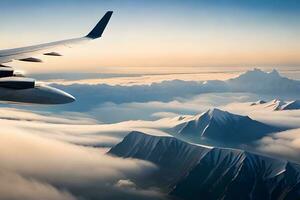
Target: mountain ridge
{"type": "Point", "coordinates": [220, 126]}
{"type": "Point", "coordinates": [211, 172]}
{"type": "Point", "coordinates": [250, 82]}
{"type": "Point", "coordinates": [278, 104]}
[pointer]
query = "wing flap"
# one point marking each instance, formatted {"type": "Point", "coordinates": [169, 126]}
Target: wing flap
{"type": "Point", "coordinates": [52, 54]}
{"type": "Point", "coordinates": [31, 59]}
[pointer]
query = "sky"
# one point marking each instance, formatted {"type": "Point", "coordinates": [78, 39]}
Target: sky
{"type": "Point", "coordinates": [157, 36]}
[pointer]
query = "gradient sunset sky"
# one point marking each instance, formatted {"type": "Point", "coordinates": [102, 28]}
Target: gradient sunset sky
{"type": "Point", "coordinates": [154, 36]}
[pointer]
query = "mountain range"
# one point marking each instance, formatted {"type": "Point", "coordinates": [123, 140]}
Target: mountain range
{"type": "Point", "coordinates": [278, 104]}
{"type": "Point", "coordinates": [189, 172]}
{"type": "Point", "coordinates": [89, 96]}
{"type": "Point", "coordinates": [251, 81]}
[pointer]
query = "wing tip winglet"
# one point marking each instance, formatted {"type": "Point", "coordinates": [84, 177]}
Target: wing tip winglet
{"type": "Point", "coordinates": [100, 27]}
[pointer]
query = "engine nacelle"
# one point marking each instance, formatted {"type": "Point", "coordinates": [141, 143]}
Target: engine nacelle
{"type": "Point", "coordinates": [17, 83]}
{"type": "Point", "coordinates": [6, 71]}
{"type": "Point", "coordinates": [40, 94]}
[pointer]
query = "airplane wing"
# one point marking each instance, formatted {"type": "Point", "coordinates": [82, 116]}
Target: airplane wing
{"type": "Point", "coordinates": [24, 53]}
{"type": "Point", "coordinates": [15, 88]}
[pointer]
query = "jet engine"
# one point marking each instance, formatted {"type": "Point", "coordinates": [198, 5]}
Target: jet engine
{"type": "Point", "coordinates": [6, 71]}
{"type": "Point", "coordinates": [17, 83]}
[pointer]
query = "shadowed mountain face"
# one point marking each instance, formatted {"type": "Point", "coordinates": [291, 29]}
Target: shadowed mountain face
{"type": "Point", "coordinates": [223, 128]}
{"type": "Point", "coordinates": [192, 171]}
{"type": "Point", "coordinates": [292, 105]}
{"type": "Point", "coordinates": [175, 158]}
{"type": "Point", "coordinates": [227, 175]}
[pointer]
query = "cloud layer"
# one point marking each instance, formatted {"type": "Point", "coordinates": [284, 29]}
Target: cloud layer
{"type": "Point", "coordinates": [285, 145]}
{"type": "Point", "coordinates": [115, 103]}
{"type": "Point", "coordinates": [57, 156]}
{"type": "Point", "coordinates": [37, 167]}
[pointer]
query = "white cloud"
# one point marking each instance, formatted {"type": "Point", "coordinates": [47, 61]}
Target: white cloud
{"type": "Point", "coordinates": [160, 115]}
{"type": "Point", "coordinates": [33, 162]}
{"type": "Point", "coordinates": [112, 112]}
{"type": "Point", "coordinates": [16, 187]}
{"type": "Point", "coordinates": [130, 186]}
{"type": "Point", "coordinates": [125, 184]}
{"type": "Point", "coordinates": [284, 144]}
{"type": "Point", "coordinates": [36, 156]}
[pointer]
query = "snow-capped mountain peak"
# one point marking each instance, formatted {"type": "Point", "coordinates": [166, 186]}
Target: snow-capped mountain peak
{"type": "Point", "coordinates": [215, 114]}
{"type": "Point", "coordinates": [222, 126]}
{"type": "Point", "coordinates": [292, 105]}
{"type": "Point", "coordinates": [222, 116]}
{"type": "Point", "coordinates": [278, 104]}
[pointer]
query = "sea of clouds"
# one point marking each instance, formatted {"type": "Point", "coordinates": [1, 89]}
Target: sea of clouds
{"type": "Point", "coordinates": [58, 152]}
{"type": "Point", "coordinates": [41, 160]}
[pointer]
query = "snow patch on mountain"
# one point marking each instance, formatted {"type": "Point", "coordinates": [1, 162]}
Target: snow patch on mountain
{"type": "Point", "coordinates": [278, 104]}
{"type": "Point", "coordinates": [292, 105]}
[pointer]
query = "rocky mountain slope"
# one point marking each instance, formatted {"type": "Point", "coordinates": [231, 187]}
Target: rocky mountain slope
{"type": "Point", "coordinates": [222, 127]}
{"type": "Point", "coordinates": [190, 171]}
{"type": "Point", "coordinates": [278, 104]}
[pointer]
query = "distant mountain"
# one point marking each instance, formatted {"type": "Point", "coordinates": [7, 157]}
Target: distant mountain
{"type": "Point", "coordinates": [189, 171]}
{"type": "Point", "coordinates": [258, 81]}
{"type": "Point", "coordinates": [278, 104]}
{"type": "Point", "coordinates": [254, 81]}
{"type": "Point", "coordinates": [222, 127]}
{"type": "Point", "coordinates": [292, 105]}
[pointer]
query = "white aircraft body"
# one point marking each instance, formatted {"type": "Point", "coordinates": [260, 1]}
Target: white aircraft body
{"type": "Point", "coordinates": [16, 88]}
